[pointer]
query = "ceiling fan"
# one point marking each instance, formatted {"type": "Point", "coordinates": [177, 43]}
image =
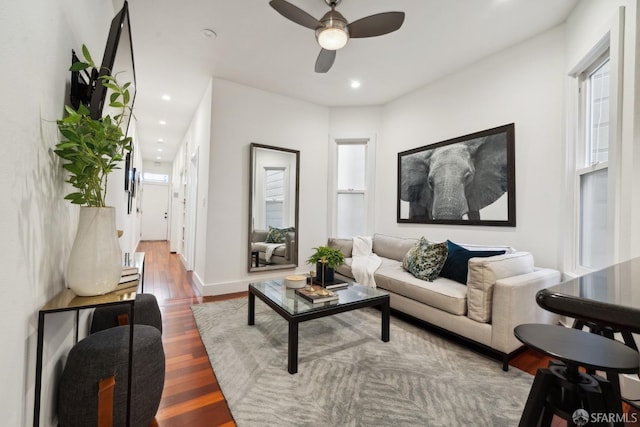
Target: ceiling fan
{"type": "Point", "coordinates": [333, 31]}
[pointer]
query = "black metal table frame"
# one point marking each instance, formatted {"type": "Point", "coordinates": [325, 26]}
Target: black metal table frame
{"type": "Point", "coordinates": [294, 319]}
{"type": "Point", "coordinates": [40, 348]}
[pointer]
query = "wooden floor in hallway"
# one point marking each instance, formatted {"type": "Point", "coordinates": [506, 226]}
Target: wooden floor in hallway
{"type": "Point", "coordinates": [192, 396]}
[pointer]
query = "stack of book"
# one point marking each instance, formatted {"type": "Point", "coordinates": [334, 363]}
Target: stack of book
{"type": "Point", "coordinates": [129, 274]}
{"type": "Point", "coordinates": [317, 294]}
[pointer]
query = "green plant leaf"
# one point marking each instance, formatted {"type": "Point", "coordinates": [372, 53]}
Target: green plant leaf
{"type": "Point", "coordinates": [83, 110]}
{"type": "Point", "coordinates": [87, 55]}
{"type": "Point", "coordinates": [79, 66]}
{"type": "Point", "coordinates": [110, 85]}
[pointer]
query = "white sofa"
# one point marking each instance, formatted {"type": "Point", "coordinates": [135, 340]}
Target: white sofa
{"type": "Point", "coordinates": [499, 293]}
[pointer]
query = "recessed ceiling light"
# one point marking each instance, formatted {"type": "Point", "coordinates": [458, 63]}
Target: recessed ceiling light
{"type": "Point", "coordinates": [162, 122]}
{"type": "Point", "coordinates": [160, 140]}
{"type": "Point", "coordinates": [159, 158]}
{"type": "Point", "coordinates": [160, 149]}
{"type": "Point", "coordinates": [166, 97]}
{"type": "Point", "coordinates": [355, 84]}
{"type": "Point", "coordinates": [210, 34]}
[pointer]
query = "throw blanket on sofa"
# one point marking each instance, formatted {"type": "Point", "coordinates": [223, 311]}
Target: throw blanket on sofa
{"type": "Point", "coordinates": [267, 248]}
{"type": "Point", "coordinates": [364, 262]}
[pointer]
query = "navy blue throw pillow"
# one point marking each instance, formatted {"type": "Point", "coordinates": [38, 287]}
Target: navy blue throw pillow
{"type": "Point", "coordinates": [457, 264]}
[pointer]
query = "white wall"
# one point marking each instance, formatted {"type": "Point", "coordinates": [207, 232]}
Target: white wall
{"type": "Point", "coordinates": [37, 225]}
{"type": "Point", "coordinates": [241, 115]}
{"type": "Point", "coordinates": [117, 197]}
{"type": "Point", "coordinates": [523, 85]}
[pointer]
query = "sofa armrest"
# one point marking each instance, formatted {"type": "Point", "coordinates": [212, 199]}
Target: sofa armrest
{"type": "Point", "coordinates": [290, 246]}
{"type": "Point", "coordinates": [514, 303]}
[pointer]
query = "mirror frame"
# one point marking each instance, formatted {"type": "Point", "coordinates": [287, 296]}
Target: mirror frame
{"type": "Point", "coordinates": [252, 175]}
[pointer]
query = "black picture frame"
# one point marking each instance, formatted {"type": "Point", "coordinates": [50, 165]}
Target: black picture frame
{"type": "Point", "coordinates": [128, 160]}
{"type": "Point", "coordinates": [468, 180]}
{"type": "Point", "coordinates": [133, 182]}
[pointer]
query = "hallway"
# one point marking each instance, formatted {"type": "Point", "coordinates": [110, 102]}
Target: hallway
{"type": "Point", "coordinates": [191, 394]}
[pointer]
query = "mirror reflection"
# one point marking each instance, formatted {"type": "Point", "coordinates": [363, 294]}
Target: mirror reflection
{"type": "Point", "coordinates": [273, 208]}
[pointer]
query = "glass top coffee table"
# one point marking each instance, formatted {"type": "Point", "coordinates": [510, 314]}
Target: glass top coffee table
{"type": "Point", "coordinates": [295, 309]}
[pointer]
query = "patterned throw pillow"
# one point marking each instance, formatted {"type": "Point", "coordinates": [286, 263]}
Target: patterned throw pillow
{"type": "Point", "coordinates": [277, 235]}
{"type": "Point", "coordinates": [424, 260]}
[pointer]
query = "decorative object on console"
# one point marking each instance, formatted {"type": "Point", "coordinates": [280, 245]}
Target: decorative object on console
{"type": "Point", "coordinates": [326, 260]}
{"type": "Point", "coordinates": [95, 262]}
{"type": "Point", "coordinates": [92, 148]}
{"type": "Point", "coordinates": [469, 180]}
{"type": "Point", "coordinates": [424, 260]}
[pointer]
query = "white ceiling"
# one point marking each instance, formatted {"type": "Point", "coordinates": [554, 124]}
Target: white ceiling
{"type": "Point", "coordinates": [258, 47]}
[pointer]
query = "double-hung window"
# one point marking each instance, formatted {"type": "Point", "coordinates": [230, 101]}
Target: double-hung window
{"type": "Point", "coordinates": [592, 167]}
{"type": "Point", "coordinates": [274, 197]}
{"type": "Point", "coordinates": [352, 187]}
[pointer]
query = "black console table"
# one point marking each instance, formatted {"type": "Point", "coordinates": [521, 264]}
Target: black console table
{"type": "Point", "coordinates": [67, 300]}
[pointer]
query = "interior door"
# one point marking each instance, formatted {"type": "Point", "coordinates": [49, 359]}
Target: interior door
{"type": "Point", "coordinates": [155, 211]}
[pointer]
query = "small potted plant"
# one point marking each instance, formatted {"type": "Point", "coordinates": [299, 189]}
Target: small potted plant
{"type": "Point", "coordinates": [326, 260]}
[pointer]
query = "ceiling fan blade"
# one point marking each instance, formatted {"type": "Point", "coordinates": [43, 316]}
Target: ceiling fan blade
{"type": "Point", "coordinates": [295, 14]}
{"type": "Point", "coordinates": [325, 60]}
{"type": "Point", "coordinates": [376, 25]}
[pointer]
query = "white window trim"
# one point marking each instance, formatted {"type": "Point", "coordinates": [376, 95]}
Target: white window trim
{"type": "Point", "coordinates": [369, 190]}
{"type": "Point", "coordinates": [613, 42]}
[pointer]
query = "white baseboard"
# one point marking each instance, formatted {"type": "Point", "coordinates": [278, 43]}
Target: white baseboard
{"type": "Point", "coordinates": [211, 289]}
{"type": "Point", "coordinates": [225, 288]}
{"type": "Point", "coordinates": [198, 282]}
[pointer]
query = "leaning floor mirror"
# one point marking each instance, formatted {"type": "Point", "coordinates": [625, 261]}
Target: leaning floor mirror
{"type": "Point", "coordinates": [273, 208]}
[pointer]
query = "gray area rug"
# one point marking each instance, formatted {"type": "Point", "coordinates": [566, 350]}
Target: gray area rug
{"type": "Point", "coordinates": [348, 377]}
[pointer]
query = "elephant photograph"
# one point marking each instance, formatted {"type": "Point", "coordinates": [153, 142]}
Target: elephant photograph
{"type": "Point", "coordinates": [469, 180]}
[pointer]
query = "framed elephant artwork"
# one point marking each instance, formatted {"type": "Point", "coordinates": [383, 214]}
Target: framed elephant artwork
{"type": "Point", "coordinates": [469, 180]}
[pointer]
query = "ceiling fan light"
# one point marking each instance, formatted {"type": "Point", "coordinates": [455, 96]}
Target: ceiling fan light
{"type": "Point", "coordinates": [334, 33]}
{"type": "Point", "coordinates": [332, 38]}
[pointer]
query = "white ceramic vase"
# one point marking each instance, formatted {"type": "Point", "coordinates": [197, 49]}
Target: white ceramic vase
{"type": "Point", "coordinates": [95, 262]}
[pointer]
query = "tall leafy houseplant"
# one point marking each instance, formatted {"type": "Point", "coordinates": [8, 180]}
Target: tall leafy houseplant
{"type": "Point", "coordinates": [91, 149]}
{"type": "Point", "coordinates": [326, 260]}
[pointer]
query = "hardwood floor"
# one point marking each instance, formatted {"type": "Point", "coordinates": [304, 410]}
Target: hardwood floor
{"type": "Point", "coordinates": [192, 396]}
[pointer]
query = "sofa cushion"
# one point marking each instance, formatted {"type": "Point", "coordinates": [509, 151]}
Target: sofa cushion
{"type": "Point", "coordinates": [456, 265]}
{"type": "Point", "coordinates": [277, 235]}
{"type": "Point", "coordinates": [483, 274]}
{"type": "Point", "coordinates": [425, 260]}
{"type": "Point", "coordinates": [343, 245]}
{"type": "Point", "coordinates": [443, 294]}
{"type": "Point", "coordinates": [392, 247]}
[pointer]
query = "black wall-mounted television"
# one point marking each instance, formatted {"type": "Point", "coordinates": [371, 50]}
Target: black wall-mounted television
{"type": "Point", "coordinates": [87, 87]}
